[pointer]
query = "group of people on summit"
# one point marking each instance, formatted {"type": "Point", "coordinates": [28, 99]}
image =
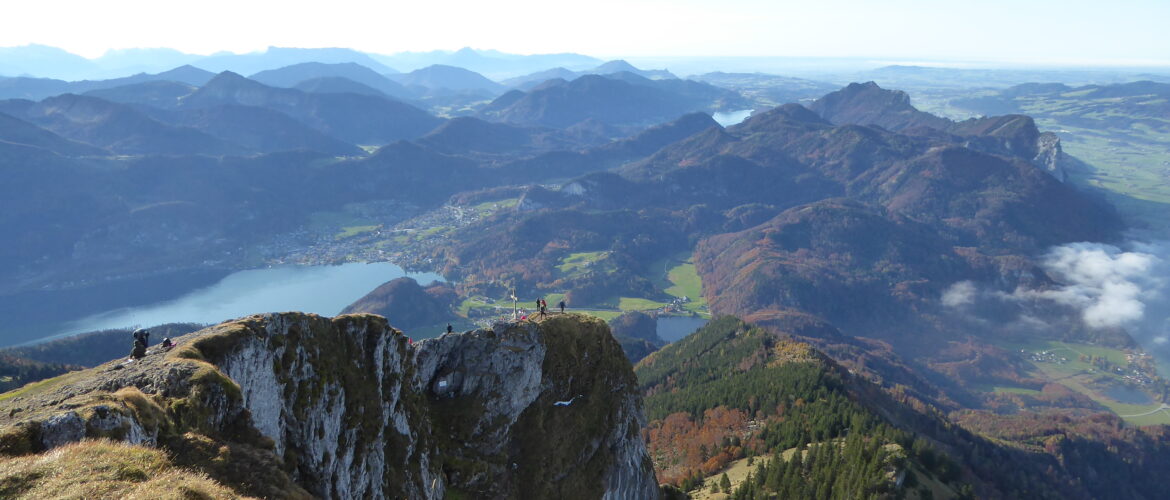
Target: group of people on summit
{"type": "Point", "coordinates": [542, 306]}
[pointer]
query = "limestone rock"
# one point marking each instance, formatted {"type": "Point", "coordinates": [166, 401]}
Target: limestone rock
{"type": "Point", "coordinates": [346, 407]}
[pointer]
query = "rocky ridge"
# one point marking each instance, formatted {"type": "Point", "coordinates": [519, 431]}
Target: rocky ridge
{"type": "Point", "coordinates": [348, 407]}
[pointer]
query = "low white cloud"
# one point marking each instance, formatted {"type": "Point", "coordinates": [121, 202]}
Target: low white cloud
{"type": "Point", "coordinates": [1109, 286]}
{"type": "Point", "coordinates": [959, 294]}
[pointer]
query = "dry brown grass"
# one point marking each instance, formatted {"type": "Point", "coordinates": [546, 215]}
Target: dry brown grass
{"type": "Point", "coordinates": [104, 469]}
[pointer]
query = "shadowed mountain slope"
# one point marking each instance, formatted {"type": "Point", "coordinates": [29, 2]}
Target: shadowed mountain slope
{"type": "Point", "coordinates": [292, 76]}
{"type": "Point", "coordinates": [120, 128]}
{"type": "Point", "coordinates": [623, 99]}
{"type": "Point", "coordinates": [354, 118]}
{"type": "Point", "coordinates": [16, 131]}
{"type": "Point", "coordinates": [441, 77]}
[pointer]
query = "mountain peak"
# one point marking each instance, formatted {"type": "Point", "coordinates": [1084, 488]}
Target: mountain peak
{"type": "Point", "coordinates": [226, 81]}
{"type": "Point", "coordinates": [187, 74]}
{"type": "Point", "coordinates": [227, 76]}
{"type": "Point", "coordinates": [868, 104]}
{"type": "Point", "coordinates": [442, 76]}
{"type": "Point", "coordinates": [615, 66]}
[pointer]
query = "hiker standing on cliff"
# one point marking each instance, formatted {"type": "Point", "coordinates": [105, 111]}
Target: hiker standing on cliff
{"type": "Point", "coordinates": [449, 328]}
{"type": "Point", "coordinates": [140, 339]}
{"type": "Point", "coordinates": [562, 306]}
{"type": "Point", "coordinates": [143, 335]}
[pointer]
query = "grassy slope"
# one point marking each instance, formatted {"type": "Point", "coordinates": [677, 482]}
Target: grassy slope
{"type": "Point", "coordinates": [104, 469]}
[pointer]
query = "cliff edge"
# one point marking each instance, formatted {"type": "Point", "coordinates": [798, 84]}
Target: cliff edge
{"type": "Point", "coordinates": [297, 405]}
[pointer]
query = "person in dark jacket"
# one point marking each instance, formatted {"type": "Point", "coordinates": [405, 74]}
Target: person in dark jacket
{"type": "Point", "coordinates": [143, 335]}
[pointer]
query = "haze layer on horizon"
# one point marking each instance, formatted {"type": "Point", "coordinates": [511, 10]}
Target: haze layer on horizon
{"type": "Point", "coordinates": [1042, 32]}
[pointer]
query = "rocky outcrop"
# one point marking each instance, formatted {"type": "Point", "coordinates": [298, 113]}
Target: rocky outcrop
{"type": "Point", "coordinates": [1015, 135]}
{"type": "Point", "coordinates": [407, 304]}
{"type": "Point", "coordinates": [1050, 156]}
{"type": "Point", "coordinates": [348, 408]}
{"type": "Point", "coordinates": [1007, 135]}
{"type": "Point", "coordinates": [868, 104]}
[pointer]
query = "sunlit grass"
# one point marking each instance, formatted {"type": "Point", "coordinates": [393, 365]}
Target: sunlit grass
{"type": "Point", "coordinates": [577, 264]}
{"type": "Point", "coordinates": [350, 231]}
{"type": "Point", "coordinates": [637, 304]}
{"type": "Point", "coordinates": [104, 469]}
{"type": "Point", "coordinates": [1014, 390]}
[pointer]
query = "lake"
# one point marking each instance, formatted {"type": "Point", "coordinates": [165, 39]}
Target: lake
{"type": "Point", "coordinates": [729, 118]}
{"type": "Point", "coordinates": [674, 328]}
{"type": "Point", "coordinates": [322, 290]}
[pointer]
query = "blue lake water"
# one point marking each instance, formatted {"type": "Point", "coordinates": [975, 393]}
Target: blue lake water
{"type": "Point", "coordinates": [322, 290]}
{"type": "Point", "coordinates": [674, 328]}
{"type": "Point", "coordinates": [729, 118]}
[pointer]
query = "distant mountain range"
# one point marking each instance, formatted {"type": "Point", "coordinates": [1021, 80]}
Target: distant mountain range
{"type": "Point", "coordinates": [527, 82]}
{"type": "Point", "coordinates": [493, 63]}
{"type": "Point", "coordinates": [116, 127]}
{"type": "Point", "coordinates": [50, 62]}
{"type": "Point", "coordinates": [228, 114]}
{"type": "Point", "coordinates": [40, 88]}
{"type": "Point", "coordinates": [331, 107]}
{"type": "Point", "coordinates": [355, 118]}
{"type": "Point", "coordinates": [297, 74]}
{"type": "Point", "coordinates": [623, 99]}
{"type": "Point", "coordinates": [442, 79]}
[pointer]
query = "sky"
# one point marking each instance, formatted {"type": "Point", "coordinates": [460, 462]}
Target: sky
{"type": "Point", "coordinates": [1044, 32]}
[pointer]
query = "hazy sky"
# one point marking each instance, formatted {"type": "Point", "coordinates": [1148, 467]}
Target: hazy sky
{"type": "Point", "coordinates": [1131, 32]}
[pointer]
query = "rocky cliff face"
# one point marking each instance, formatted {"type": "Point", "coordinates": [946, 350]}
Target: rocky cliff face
{"type": "Point", "coordinates": [1050, 156]}
{"type": "Point", "coordinates": [348, 408]}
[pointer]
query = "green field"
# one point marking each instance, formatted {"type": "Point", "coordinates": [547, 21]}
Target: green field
{"type": "Point", "coordinates": [1084, 378]}
{"type": "Point", "coordinates": [350, 231]}
{"type": "Point", "coordinates": [685, 282]}
{"type": "Point", "coordinates": [1013, 390]}
{"type": "Point", "coordinates": [679, 279]}
{"type": "Point", "coordinates": [490, 207]}
{"type": "Point", "coordinates": [636, 304]}
{"type": "Point", "coordinates": [485, 306]}
{"type": "Point", "coordinates": [578, 264]}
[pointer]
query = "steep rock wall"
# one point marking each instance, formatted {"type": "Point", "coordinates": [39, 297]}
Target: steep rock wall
{"type": "Point", "coordinates": [347, 407]}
